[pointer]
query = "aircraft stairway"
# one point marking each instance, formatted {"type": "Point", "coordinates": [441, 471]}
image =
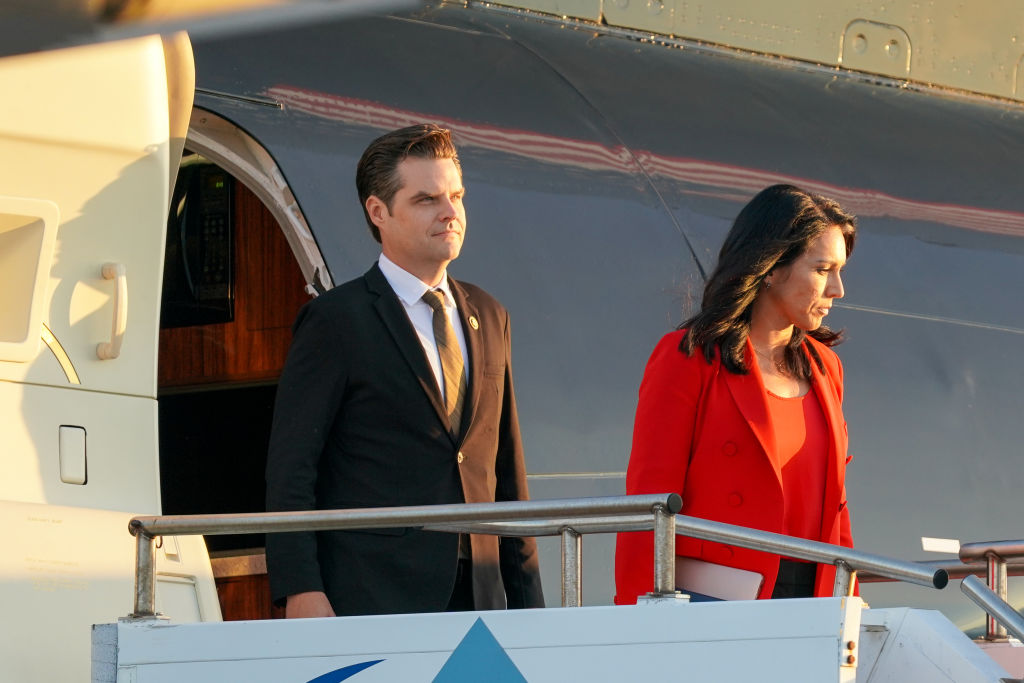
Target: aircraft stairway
{"type": "Point", "coordinates": [821, 639]}
{"type": "Point", "coordinates": [817, 640]}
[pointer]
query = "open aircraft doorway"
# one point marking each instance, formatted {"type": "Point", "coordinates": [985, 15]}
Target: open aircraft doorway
{"type": "Point", "coordinates": [232, 287]}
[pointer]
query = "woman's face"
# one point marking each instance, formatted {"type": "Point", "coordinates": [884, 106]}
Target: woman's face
{"type": "Point", "coordinates": [801, 293]}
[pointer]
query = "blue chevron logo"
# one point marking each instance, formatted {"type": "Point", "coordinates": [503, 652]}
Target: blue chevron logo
{"type": "Point", "coordinates": [479, 657]}
{"type": "Point", "coordinates": [344, 672]}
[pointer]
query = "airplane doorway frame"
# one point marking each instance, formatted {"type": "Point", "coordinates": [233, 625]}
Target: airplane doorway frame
{"type": "Point", "coordinates": [238, 153]}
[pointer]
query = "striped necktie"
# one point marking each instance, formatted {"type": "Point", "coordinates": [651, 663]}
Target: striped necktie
{"type": "Point", "coordinates": [455, 385]}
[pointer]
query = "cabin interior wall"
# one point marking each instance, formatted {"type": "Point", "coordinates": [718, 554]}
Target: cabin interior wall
{"type": "Point", "coordinates": [217, 384]}
{"type": "Point", "coordinates": [269, 290]}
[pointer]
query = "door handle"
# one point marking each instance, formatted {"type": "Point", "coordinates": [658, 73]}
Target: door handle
{"type": "Point", "coordinates": [112, 349]}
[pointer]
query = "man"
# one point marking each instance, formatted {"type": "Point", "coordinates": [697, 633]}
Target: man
{"type": "Point", "coordinates": [398, 391]}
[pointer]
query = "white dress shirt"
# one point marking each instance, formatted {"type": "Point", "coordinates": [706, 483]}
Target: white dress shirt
{"type": "Point", "coordinates": [410, 290]}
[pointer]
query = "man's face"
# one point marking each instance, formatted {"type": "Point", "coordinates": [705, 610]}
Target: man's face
{"type": "Point", "coordinates": [424, 228]}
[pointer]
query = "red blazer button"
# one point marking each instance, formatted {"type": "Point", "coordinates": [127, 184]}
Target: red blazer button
{"type": "Point", "coordinates": [735, 500]}
{"type": "Point", "coordinates": [716, 552]}
{"type": "Point", "coordinates": [729, 448]}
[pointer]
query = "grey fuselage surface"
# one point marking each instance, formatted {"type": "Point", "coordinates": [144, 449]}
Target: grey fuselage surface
{"type": "Point", "coordinates": [603, 171]}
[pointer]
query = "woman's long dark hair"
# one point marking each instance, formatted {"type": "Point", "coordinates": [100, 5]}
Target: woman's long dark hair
{"type": "Point", "coordinates": [770, 232]}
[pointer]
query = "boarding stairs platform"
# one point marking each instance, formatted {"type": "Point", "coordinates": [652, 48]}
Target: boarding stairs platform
{"type": "Point", "coordinates": [816, 640]}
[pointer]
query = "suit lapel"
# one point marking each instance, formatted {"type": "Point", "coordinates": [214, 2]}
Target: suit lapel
{"type": "Point", "coordinates": [752, 399]}
{"type": "Point", "coordinates": [829, 401]}
{"type": "Point", "coordinates": [468, 314]}
{"type": "Point", "coordinates": [393, 315]}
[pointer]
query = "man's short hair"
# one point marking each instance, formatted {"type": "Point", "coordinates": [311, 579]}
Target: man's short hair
{"type": "Point", "coordinates": [377, 172]}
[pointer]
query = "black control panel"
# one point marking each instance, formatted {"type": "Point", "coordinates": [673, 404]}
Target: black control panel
{"type": "Point", "coordinates": [199, 258]}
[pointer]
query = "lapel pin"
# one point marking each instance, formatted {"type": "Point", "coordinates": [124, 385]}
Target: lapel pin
{"type": "Point", "coordinates": [474, 323]}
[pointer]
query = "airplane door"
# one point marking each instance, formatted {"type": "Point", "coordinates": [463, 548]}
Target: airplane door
{"type": "Point", "coordinates": [87, 156]}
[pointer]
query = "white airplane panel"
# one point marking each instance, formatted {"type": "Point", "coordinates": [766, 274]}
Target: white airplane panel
{"type": "Point", "coordinates": [113, 454]}
{"type": "Point", "coordinates": [89, 132]}
{"type": "Point", "coordinates": [64, 569]}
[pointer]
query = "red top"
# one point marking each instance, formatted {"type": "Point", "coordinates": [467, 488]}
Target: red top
{"type": "Point", "coordinates": [802, 448]}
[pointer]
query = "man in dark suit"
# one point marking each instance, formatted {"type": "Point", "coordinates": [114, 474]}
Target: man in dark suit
{"type": "Point", "coordinates": [398, 391]}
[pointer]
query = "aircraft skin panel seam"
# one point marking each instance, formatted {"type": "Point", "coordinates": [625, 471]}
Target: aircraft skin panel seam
{"type": "Point", "coordinates": [247, 99]}
{"type": "Point", "coordinates": [79, 387]}
{"type": "Point", "coordinates": [722, 50]}
{"type": "Point", "coordinates": [931, 318]}
{"type": "Point", "coordinates": [636, 161]}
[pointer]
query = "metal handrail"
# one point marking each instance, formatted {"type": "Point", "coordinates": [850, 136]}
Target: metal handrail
{"type": "Point", "coordinates": [567, 518]}
{"type": "Point", "coordinates": [995, 560]}
{"type": "Point", "coordinates": [1007, 550]}
{"type": "Point", "coordinates": [879, 566]}
{"type": "Point", "coordinates": [409, 516]}
{"type": "Point", "coordinates": [995, 554]}
{"type": "Point", "coordinates": [995, 568]}
{"type": "Point", "coordinates": [846, 560]}
{"type": "Point", "coordinates": [954, 568]}
{"type": "Point", "coordinates": [994, 606]}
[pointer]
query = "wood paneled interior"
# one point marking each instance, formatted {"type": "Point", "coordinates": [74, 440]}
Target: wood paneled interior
{"type": "Point", "coordinates": [269, 290]}
{"type": "Point", "coordinates": [244, 598]}
{"type": "Point", "coordinates": [243, 588]}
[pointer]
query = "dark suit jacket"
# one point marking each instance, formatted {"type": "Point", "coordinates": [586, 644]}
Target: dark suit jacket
{"type": "Point", "coordinates": [359, 422]}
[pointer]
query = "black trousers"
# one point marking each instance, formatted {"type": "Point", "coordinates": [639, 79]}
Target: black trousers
{"type": "Point", "coordinates": [795, 580]}
{"type": "Point", "coordinates": [462, 593]}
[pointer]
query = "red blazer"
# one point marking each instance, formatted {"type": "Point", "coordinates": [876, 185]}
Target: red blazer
{"type": "Point", "coordinates": [705, 432]}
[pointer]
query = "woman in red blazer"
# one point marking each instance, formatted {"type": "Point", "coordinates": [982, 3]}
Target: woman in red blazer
{"type": "Point", "coordinates": [740, 411]}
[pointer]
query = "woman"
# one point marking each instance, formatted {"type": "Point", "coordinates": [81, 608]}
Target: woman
{"type": "Point", "coordinates": [740, 409]}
